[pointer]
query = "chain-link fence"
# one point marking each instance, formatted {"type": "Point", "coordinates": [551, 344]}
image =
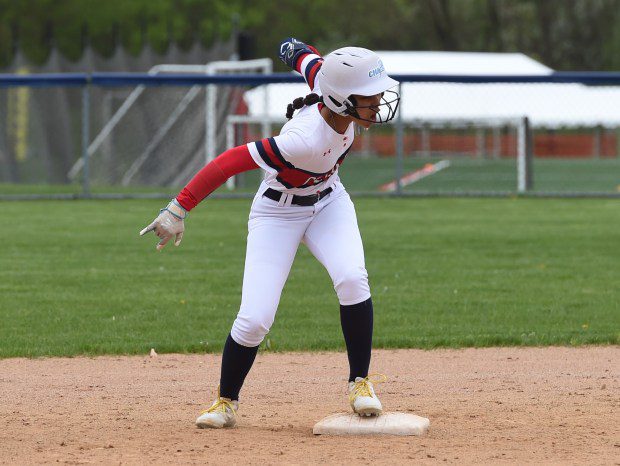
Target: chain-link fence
{"type": "Point", "coordinates": [147, 134]}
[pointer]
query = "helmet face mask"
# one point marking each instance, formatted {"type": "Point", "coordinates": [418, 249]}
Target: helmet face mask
{"type": "Point", "coordinates": [383, 112]}
{"type": "Point", "coordinates": [353, 71]}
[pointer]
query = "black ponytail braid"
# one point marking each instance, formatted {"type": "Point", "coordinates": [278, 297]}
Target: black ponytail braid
{"type": "Point", "coordinates": [299, 102]}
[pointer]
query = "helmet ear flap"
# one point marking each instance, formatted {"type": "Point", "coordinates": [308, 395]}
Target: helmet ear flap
{"type": "Point", "coordinates": [335, 102]}
{"type": "Point", "coordinates": [351, 103]}
{"type": "Point", "coordinates": [348, 104]}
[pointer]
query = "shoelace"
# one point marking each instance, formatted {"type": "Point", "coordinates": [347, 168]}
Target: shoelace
{"type": "Point", "coordinates": [220, 406]}
{"type": "Point", "coordinates": [362, 388]}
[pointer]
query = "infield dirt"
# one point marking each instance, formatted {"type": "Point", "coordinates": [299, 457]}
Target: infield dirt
{"type": "Point", "coordinates": [554, 405]}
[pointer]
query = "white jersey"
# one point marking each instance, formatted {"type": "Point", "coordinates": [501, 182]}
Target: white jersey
{"type": "Point", "coordinates": [304, 158]}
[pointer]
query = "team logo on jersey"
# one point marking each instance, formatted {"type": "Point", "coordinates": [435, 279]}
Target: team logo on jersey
{"type": "Point", "coordinates": [377, 71]}
{"type": "Point", "coordinates": [314, 180]}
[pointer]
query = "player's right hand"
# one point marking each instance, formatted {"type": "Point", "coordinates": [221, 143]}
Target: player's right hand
{"type": "Point", "coordinates": [168, 223]}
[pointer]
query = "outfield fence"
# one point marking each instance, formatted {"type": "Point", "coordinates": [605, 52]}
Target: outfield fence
{"type": "Point", "coordinates": [117, 135]}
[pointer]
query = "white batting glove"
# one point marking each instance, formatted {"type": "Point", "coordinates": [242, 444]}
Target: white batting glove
{"type": "Point", "coordinates": [168, 223]}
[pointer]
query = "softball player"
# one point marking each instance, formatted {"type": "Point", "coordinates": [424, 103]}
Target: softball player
{"type": "Point", "coordinates": [300, 200]}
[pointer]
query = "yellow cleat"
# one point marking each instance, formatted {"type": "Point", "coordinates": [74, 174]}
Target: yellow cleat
{"type": "Point", "coordinates": [222, 413]}
{"type": "Point", "coordinates": [362, 395]}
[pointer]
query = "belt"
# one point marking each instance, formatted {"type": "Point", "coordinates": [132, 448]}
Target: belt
{"type": "Point", "coordinates": [305, 201]}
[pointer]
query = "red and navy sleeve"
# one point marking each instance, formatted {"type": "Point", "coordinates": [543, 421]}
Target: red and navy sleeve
{"type": "Point", "coordinates": [214, 174]}
{"type": "Point", "coordinates": [303, 58]}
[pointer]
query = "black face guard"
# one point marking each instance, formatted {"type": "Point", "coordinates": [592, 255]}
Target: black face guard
{"type": "Point", "coordinates": [387, 108]}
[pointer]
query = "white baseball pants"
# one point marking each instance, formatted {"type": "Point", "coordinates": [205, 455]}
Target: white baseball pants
{"type": "Point", "coordinates": [329, 230]}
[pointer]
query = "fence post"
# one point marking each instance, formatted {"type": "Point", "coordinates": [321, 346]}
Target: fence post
{"type": "Point", "coordinates": [210, 121]}
{"type": "Point", "coordinates": [598, 130]}
{"type": "Point", "coordinates": [399, 143]}
{"type": "Point", "coordinates": [525, 156]}
{"type": "Point", "coordinates": [85, 137]}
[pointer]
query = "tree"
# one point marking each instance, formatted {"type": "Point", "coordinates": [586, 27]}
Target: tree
{"type": "Point", "coordinates": [564, 34]}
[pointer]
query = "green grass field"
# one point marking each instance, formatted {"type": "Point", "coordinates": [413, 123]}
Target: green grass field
{"type": "Point", "coordinates": [483, 175]}
{"type": "Point", "coordinates": [466, 174]}
{"type": "Point", "coordinates": [75, 277]}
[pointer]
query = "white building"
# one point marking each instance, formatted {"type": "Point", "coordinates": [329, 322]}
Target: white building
{"type": "Point", "coordinates": [547, 105]}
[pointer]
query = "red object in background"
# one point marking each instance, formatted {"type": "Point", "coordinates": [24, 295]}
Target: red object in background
{"type": "Point", "coordinates": [242, 109]}
{"type": "Point", "coordinates": [574, 145]}
{"type": "Point", "coordinates": [545, 144]}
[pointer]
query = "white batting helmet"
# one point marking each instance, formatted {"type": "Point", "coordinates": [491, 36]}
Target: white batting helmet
{"type": "Point", "coordinates": [352, 71]}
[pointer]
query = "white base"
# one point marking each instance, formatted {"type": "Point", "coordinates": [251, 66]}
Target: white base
{"type": "Point", "coordinates": [385, 424]}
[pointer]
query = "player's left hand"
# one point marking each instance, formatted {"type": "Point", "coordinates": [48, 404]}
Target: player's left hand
{"type": "Point", "coordinates": [168, 223]}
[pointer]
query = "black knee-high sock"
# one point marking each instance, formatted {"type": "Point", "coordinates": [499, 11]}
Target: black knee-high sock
{"type": "Point", "coordinates": [236, 363]}
{"type": "Point", "coordinates": [356, 321]}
